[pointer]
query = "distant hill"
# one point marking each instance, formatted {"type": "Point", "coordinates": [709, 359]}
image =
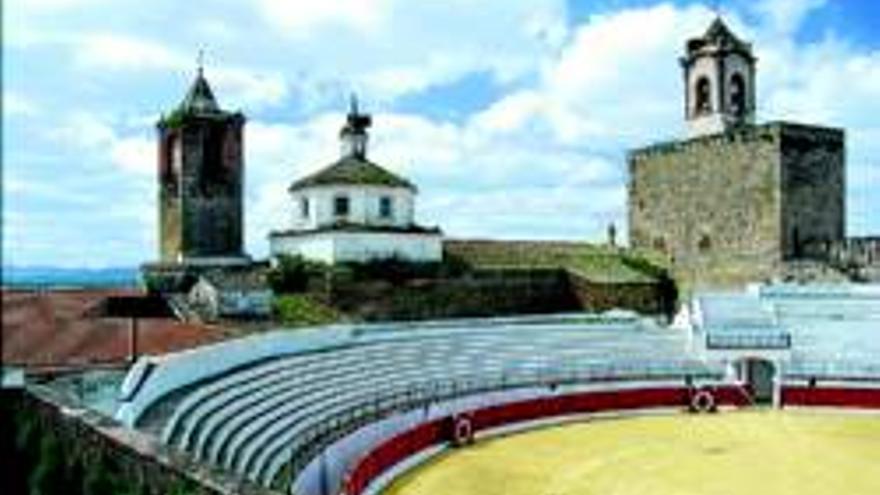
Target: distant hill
{"type": "Point", "coordinates": [54, 277]}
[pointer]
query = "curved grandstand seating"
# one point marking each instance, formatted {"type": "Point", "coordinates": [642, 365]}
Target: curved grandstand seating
{"type": "Point", "coordinates": [282, 398]}
{"type": "Point", "coordinates": [253, 419]}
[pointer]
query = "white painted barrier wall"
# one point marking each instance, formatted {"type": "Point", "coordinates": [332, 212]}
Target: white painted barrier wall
{"type": "Point", "coordinates": [324, 474]}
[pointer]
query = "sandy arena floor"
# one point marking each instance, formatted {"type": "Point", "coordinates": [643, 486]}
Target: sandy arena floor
{"type": "Point", "coordinates": [754, 452]}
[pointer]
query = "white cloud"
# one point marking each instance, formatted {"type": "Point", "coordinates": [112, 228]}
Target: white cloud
{"type": "Point", "coordinates": [783, 17]}
{"type": "Point", "coordinates": [98, 139]}
{"type": "Point", "coordinates": [120, 52]}
{"type": "Point", "coordinates": [250, 89]}
{"type": "Point", "coordinates": [54, 6]}
{"type": "Point", "coordinates": [543, 158]}
{"type": "Point", "coordinates": [608, 87]}
{"type": "Point", "coordinates": [395, 47]}
{"type": "Point", "coordinates": [84, 130]}
{"type": "Point", "coordinates": [299, 19]}
{"type": "Point", "coordinates": [18, 105]}
{"type": "Point", "coordinates": [134, 154]}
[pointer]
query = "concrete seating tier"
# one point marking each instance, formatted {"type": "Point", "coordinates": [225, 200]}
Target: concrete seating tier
{"type": "Point", "coordinates": [254, 420]}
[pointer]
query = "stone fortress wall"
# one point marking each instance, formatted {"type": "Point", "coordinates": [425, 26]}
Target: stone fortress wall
{"type": "Point", "coordinates": [732, 207]}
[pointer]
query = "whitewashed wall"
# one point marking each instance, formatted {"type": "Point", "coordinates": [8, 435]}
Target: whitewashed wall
{"type": "Point", "coordinates": [363, 206]}
{"type": "Point", "coordinates": [335, 247]}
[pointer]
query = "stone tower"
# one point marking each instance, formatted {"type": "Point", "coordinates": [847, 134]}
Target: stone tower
{"type": "Point", "coordinates": [200, 181]}
{"type": "Point", "coordinates": [735, 202]}
{"type": "Point", "coordinates": [719, 76]}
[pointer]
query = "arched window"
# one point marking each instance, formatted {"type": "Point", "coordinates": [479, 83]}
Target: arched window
{"type": "Point", "coordinates": [737, 95]}
{"type": "Point", "coordinates": [703, 96]}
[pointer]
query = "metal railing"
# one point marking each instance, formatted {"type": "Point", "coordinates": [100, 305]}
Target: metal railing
{"type": "Point", "coordinates": [313, 440]}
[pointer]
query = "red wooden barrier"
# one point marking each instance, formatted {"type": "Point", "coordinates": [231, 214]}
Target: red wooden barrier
{"type": "Point", "coordinates": [867, 398]}
{"type": "Point", "coordinates": [411, 442]}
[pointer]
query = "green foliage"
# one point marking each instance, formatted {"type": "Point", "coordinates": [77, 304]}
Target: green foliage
{"type": "Point", "coordinates": [97, 480]}
{"type": "Point", "coordinates": [292, 274]}
{"type": "Point", "coordinates": [300, 310]}
{"type": "Point", "coordinates": [595, 262]}
{"type": "Point", "coordinates": [47, 476]}
{"type": "Point", "coordinates": [397, 271]}
{"type": "Point", "coordinates": [46, 461]}
{"type": "Point", "coordinates": [643, 265]}
{"type": "Point", "coordinates": [183, 488]}
{"type": "Point", "coordinates": [175, 118]}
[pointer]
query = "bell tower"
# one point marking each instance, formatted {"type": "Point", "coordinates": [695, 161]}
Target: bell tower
{"type": "Point", "coordinates": [200, 181]}
{"type": "Point", "coordinates": [719, 78]}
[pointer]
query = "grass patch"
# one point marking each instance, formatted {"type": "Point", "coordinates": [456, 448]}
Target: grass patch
{"type": "Point", "coordinates": [598, 263]}
{"type": "Point", "coordinates": [301, 310]}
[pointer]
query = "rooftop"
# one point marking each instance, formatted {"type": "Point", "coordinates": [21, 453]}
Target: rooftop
{"type": "Point", "coordinates": [352, 170]}
{"type": "Point", "coordinates": [59, 329]}
{"type": "Point", "coordinates": [718, 37]}
{"type": "Point", "coordinates": [199, 102]}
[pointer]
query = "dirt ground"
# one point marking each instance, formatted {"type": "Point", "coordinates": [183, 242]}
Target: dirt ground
{"type": "Point", "coordinates": [754, 452]}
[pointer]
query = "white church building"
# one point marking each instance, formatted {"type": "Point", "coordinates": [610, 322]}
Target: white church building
{"type": "Point", "coordinates": [354, 210]}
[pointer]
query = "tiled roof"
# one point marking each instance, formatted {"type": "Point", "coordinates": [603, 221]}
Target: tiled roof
{"type": "Point", "coordinates": [57, 329]}
{"type": "Point", "coordinates": [352, 170]}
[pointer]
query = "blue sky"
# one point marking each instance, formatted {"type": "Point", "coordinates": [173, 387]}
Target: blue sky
{"type": "Point", "coordinates": [512, 117]}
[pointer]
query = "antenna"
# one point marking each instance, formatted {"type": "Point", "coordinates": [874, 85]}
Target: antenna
{"type": "Point", "coordinates": [200, 61]}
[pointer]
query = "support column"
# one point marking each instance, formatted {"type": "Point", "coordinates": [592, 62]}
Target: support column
{"type": "Point", "coordinates": [777, 384]}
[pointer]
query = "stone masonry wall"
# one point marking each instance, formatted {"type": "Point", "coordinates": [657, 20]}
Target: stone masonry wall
{"type": "Point", "coordinates": [711, 204]}
{"type": "Point", "coordinates": [495, 293]}
{"type": "Point", "coordinates": [201, 206]}
{"type": "Point", "coordinates": [60, 447]}
{"type": "Point", "coordinates": [486, 293]}
{"type": "Point", "coordinates": [813, 187]}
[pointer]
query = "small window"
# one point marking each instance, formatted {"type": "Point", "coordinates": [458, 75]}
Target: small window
{"type": "Point", "coordinates": [704, 96]}
{"type": "Point", "coordinates": [705, 244]}
{"type": "Point", "coordinates": [304, 207]}
{"type": "Point", "coordinates": [385, 207]}
{"type": "Point", "coordinates": [660, 244]}
{"type": "Point", "coordinates": [340, 206]}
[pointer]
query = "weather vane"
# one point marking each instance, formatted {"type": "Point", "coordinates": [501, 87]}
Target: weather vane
{"type": "Point", "coordinates": [200, 60]}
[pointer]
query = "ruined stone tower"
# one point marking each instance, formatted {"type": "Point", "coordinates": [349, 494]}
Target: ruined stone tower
{"type": "Point", "coordinates": [735, 201]}
{"type": "Point", "coordinates": [200, 181]}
